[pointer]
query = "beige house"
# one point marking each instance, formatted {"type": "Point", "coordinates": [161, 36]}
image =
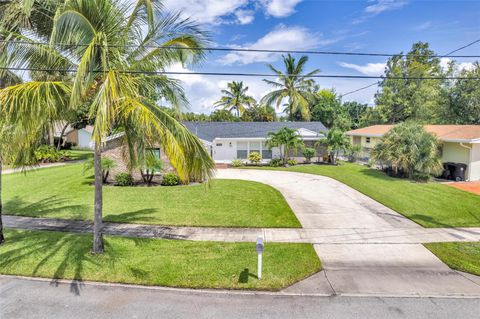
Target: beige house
{"type": "Point", "coordinates": [461, 143]}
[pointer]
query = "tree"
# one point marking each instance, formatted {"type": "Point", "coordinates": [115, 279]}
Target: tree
{"type": "Point", "coordinates": [293, 85]}
{"type": "Point", "coordinates": [327, 107]}
{"type": "Point", "coordinates": [408, 148]}
{"type": "Point", "coordinates": [117, 40]}
{"type": "Point", "coordinates": [308, 153]}
{"type": "Point", "coordinates": [287, 140]}
{"type": "Point", "coordinates": [463, 105]}
{"type": "Point", "coordinates": [356, 112]}
{"type": "Point", "coordinates": [403, 96]}
{"type": "Point", "coordinates": [336, 141]}
{"type": "Point", "coordinates": [259, 113]}
{"type": "Point", "coordinates": [235, 98]}
{"type": "Point", "coordinates": [222, 116]}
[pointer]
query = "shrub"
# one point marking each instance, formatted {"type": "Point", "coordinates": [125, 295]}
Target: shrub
{"type": "Point", "coordinates": [237, 163]}
{"type": "Point", "coordinates": [124, 179]}
{"type": "Point", "coordinates": [275, 162]}
{"type": "Point", "coordinates": [421, 177]}
{"type": "Point", "coordinates": [170, 179]}
{"type": "Point", "coordinates": [254, 158]}
{"type": "Point", "coordinates": [292, 162]}
{"type": "Point", "coordinates": [308, 153]}
{"type": "Point", "coordinates": [49, 154]}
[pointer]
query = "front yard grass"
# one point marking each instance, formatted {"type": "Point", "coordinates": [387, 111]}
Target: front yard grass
{"type": "Point", "coordinates": [161, 262]}
{"type": "Point", "coordinates": [460, 256]}
{"type": "Point", "coordinates": [65, 192]}
{"type": "Point", "coordinates": [428, 204]}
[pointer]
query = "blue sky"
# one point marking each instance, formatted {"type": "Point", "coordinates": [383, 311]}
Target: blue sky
{"type": "Point", "coordinates": [386, 26]}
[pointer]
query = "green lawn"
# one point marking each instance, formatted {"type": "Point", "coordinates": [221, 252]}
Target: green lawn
{"type": "Point", "coordinates": [65, 192]}
{"type": "Point", "coordinates": [429, 204]}
{"type": "Point", "coordinates": [156, 261]}
{"type": "Point", "coordinates": [77, 155]}
{"type": "Point", "coordinates": [460, 256]}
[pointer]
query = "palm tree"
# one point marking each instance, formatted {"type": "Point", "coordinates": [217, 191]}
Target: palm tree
{"type": "Point", "coordinates": [336, 141]}
{"type": "Point", "coordinates": [287, 140]}
{"type": "Point", "coordinates": [235, 98]}
{"type": "Point", "coordinates": [116, 49]}
{"type": "Point", "coordinates": [294, 85]}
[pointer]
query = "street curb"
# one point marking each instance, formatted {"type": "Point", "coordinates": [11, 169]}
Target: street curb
{"type": "Point", "coordinates": [231, 292]}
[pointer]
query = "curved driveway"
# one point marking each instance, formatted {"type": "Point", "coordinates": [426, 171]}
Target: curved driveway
{"type": "Point", "coordinates": [361, 268]}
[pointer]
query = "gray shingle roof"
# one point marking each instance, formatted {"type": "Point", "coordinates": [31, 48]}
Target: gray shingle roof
{"type": "Point", "coordinates": [208, 131]}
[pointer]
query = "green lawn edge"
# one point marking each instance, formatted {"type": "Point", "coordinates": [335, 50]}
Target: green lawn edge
{"type": "Point", "coordinates": [430, 205]}
{"type": "Point", "coordinates": [66, 192]}
{"type": "Point", "coordinates": [156, 262]}
{"type": "Point", "coordinates": [462, 256]}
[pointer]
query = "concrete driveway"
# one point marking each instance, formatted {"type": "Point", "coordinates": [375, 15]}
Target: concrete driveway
{"type": "Point", "coordinates": [392, 268]}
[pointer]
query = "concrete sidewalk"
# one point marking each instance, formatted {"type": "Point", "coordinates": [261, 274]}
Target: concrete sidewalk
{"type": "Point", "coordinates": [277, 235]}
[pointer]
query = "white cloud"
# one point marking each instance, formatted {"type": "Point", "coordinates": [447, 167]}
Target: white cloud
{"type": "Point", "coordinates": [282, 37]}
{"type": "Point", "coordinates": [384, 5]}
{"type": "Point", "coordinates": [445, 62]}
{"type": "Point", "coordinates": [280, 8]}
{"type": "Point", "coordinates": [209, 11]}
{"type": "Point", "coordinates": [423, 26]}
{"type": "Point", "coordinates": [372, 69]}
{"type": "Point", "coordinates": [245, 16]}
{"type": "Point", "coordinates": [203, 91]}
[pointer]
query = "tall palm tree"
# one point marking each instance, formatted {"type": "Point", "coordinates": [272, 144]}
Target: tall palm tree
{"type": "Point", "coordinates": [293, 85]}
{"type": "Point", "coordinates": [235, 98]}
{"type": "Point", "coordinates": [116, 49]}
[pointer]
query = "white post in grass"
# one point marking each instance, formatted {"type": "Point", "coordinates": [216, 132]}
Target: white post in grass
{"type": "Point", "coordinates": [260, 248]}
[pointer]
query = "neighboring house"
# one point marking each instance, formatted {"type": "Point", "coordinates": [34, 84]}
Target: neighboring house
{"type": "Point", "coordinates": [227, 141]}
{"type": "Point", "coordinates": [80, 138]}
{"type": "Point", "coordinates": [460, 143]}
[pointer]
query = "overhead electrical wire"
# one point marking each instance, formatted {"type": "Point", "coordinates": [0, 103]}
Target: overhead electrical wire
{"type": "Point", "coordinates": [243, 74]}
{"type": "Point", "coordinates": [244, 50]}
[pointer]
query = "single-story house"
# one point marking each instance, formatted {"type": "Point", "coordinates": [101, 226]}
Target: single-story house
{"type": "Point", "coordinates": [460, 143]}
{"type": "Point", "coordinates": [81, 138]}
{"type": "Point", "coordinates": [227, 141]}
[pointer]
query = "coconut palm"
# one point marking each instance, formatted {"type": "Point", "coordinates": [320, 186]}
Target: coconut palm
{"type": "Point", "coordinates": [116, 49]}
{"type": "Point", "coordinates": [235, 98]}
{"type": "Point", "coordinates": [293, 85]}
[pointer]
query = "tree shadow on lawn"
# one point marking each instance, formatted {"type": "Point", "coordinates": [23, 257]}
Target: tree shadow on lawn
{"type": "Point", "coordinates": [44, 208]}
{"type": "Point", "coordinates": [56, 255]}
{"type": "Point", "coordinates": [133, 217]}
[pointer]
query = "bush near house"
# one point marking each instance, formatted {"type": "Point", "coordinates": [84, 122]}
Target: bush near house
{"type": "Point", "coordinates": [49, 154]}
{"type": "Point", "coordinates": [308, 153]}
{"type": "Point", "coordinates": [124, 179]}
{"type": "Point", "coordinates": [170, 179]}
{"type": "Point", "coordinates": [255, 158]}
{"type": "Point", "coordinates": [409, 151]}
{"type": "Point", "coordinates": [238, 163]}
{"type": "Point", "coordinates": [292, 162]}
{"type": "Point", "coordinates": [275, 162]}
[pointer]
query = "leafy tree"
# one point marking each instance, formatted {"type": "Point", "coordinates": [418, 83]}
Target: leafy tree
{"type": "Point", "coordinates": [336, 142]}
{"type": "Point", "coordinates": [403, 96]}
{"type": "Point", "coordinates": [287, 140]}
{"type": "Point", "coordinates": [118, 38]}
{"type": "Point", "coordinates": [308, 153]}
{"type": "Point", "coordinates": [222, 116]}
{"type": "Point", "coordinates": [259, 113]}
{"type": "Point", "coordinates": [293, 85]}
{"type": "Point", "coordinates": [326, 107]}
{"type": "Point", "coordinates": [356, 112]}
{"type": "Point", "coordinates": [408, 148]}
{"type": "Point", "coordinates": [463, 105]}
{"type": "Point", "coordinates": [235, 98]}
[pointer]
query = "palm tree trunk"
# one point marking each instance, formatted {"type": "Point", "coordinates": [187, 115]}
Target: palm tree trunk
{"type": "Point", "coordinates": [2, 238]}
{"type": "Point", "coordinates": [97, 218]}
{"type": "Point", "coordinates": [291, 112]}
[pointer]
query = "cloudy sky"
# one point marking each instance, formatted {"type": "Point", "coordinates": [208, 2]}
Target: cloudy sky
{"type": "Point", "coordinates": [387, 26]}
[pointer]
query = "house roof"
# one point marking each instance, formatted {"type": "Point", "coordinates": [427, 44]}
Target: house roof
{"type": "Point", "coordinates": [209, 131]}
{"type": "Point", "coordinates": [448, 133]}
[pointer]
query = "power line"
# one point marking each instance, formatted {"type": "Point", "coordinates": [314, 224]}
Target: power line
{"type": "Point", "coordinates": [245, 50]}
{"type": "Point", "coordinates": [448, 54]}
{"type": "Point", "coordinates": [465, 46]}
{"type": "Point", "coordinates": [244, 74]}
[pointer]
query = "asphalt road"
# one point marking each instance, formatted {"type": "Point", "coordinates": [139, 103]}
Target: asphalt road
{"type": "Point", "coordinates": [21, 298]}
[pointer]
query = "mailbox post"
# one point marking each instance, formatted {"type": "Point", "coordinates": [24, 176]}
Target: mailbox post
{"type": "Point", "coordinates": [260, 248]}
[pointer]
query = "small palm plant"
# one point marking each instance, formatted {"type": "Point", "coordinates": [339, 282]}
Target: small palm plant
{"type": "Point", "coordinates": [287, 140]}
